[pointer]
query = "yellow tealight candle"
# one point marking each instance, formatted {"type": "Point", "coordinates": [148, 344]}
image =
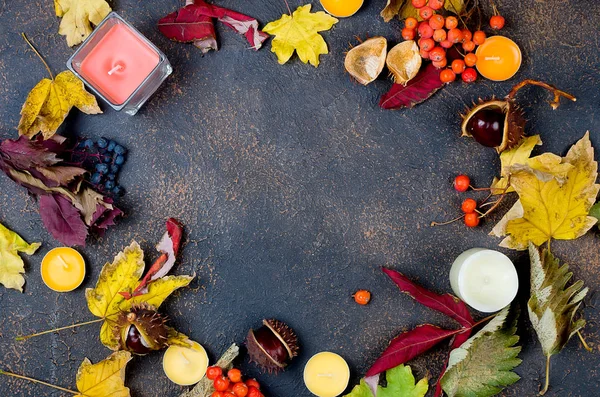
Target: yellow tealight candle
{"type": "Point", "coordinates": [498, 58]}
{"type": "Point", "coordinates": [342, 8]}
{"type": "Point", "coordinates": [185, 366]}
{"type": "Point", "coordinates": [326, 374]}
{"type": "Point", "coordinates": [63, 269]}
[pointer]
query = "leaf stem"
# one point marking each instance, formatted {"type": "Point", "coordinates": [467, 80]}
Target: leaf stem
{"type": "Point", "coordinates": [555, 103]}
{"type": "Point", "coordinates": [37, 381]}
{"type": "Point", "coordinates": [548, 246]}
{"type": "Point", "coordinates": [288, 6]}
{"type": "Point", "coordinates": [547, 385]}
{"type": "Point", "coordinates": [583, 342]}
{"type": "Point", "coordinates": [22, 338]}
{"type": "Point", "coordinates": [38, 54]}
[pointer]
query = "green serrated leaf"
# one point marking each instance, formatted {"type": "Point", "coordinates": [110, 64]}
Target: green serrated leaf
{"type": "Point", "coordinates": [595, 211]}
{"type": "Point", "coordinates": [483, 365]}
{"type": "Point", "coordinates": [361, 390]}
{"type": "Point", "coordinates": [400, 383]}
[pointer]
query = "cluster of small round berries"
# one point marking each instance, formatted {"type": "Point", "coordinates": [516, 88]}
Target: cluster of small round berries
{"type": "Point", "coordinates": [437, 34]}
{"type": "Point", "coordinates": [232, 385]}
{"type": "Point", "coordinates": [104, 159]}
{"type": "Point", "coordinates": [469, 206]}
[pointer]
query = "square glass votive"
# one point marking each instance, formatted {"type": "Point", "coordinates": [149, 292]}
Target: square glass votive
{"type": "Point", "coordinates": [120, 65]}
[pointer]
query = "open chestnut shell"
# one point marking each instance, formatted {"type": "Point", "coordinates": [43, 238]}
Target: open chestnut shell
{"type": "Point", "coordinates": [142, 330]}
{"type": "Point", "coordinates": [495, 123]}
{"type": "Point", "coordinates": [273, 346]}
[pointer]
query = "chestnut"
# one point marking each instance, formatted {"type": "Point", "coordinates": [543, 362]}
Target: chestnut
{"type": "Point", "coordinates": [272, 346]}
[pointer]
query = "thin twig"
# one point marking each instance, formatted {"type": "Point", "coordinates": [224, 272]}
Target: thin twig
{"type": "Point", "coordinates": [585, 345]}
{"type": "Point", "coordinates": [37, 381]}
{"type": "Point", "coordinates": [22, 338]}
{"type": "Point", "coordinates": [547, 385]}
{"type": "Point", "coordinates": [555, 103]}
{"type": "Point", "coordinates": [288, 6]}
{"type": "Point", "coordinates": [38, 54]}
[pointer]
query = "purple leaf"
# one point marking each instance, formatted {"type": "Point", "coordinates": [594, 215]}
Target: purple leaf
{"type": "Point", "coordinates": [63, 220]}
{"type": "Point", "coordinates": [420, 88]}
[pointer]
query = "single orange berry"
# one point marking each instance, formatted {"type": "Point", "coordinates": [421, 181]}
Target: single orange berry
{"type": "Point", "coordinates": [426, 12]}
{"type": "Point", "coordinates": [419, 3]}
{"type": "Point", "coordinates": [230, 393]}
{"type": "Point", "coordinates": [497, 22]}
{"type": "Point", "coordinates": [479, 37]}
{"type": "Point", "coordinates": [440, 64]}
{"type": "Point", "coordinates": [411, 23]}
{"type": "Point", "coordinates": [234, 375]}
{"type": "Point", "coordinates": [436, 21]}
{"type": "Point", "coordinates": [455, 35]}
{"type": "Point", "coordinates": [467, 35]}
{"type": "Point", "coordinates": [458, 66]}
{"type": "Point", "coordinates": [408, 34]}
{"type": "Point", "coordinates": [447, 76]}
{"type": "Point", "coordinates": [468, 46]}
{"type": "Point", "coordinates": [470, 59]}
{"type": "Point", "coordinates": [425, 31]}
{"type": "Point", "coordinates": [439, 35]}
{"type": "Point", "coordinates": [240, 390]}
{"type": "Point", "coordinates": [253, 392]}
{"type": "Point", "coordinates": [446, 44]}
{"type": "Point", "coordinates": [462, 183]}
{"type": "Point", "coordinates": [362, 297]}
{"type": "Point", "coordinates": [217, 394]}
{"type": "Point", "coordinates": [221, 384]}
{"type": "Point", "coordinates": [437, 54]}
{"type": "Point", "coordinates": [451, 23]}
{"type": "Point", "coordinates": [253, 383]}
{"type": "Point", "coordinates": [472, 219]}
{"type": "Point", "coordinates": [468, 206]}
{"type": "Point", "coordinates": [469, 75]}
{"type": "Point", "coordinates": [436, 4]}
{"type": "Point", "coordinates": [424, 54]}
{"type": "Point", "coordinates": [213, 373]}
{"type": "Point", "coordinates": [427, 44]}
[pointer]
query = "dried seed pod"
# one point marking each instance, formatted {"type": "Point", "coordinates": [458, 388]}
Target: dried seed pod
{"type": "Point", "coordinates": [404, 61]}
{"type": "Point", "coordinates": [142, 330]}
{"type": "Point", "coordinates": [366, 61]}
{"type": "Point", "coordinates": [272, 346]}
{"type": "Point", "coordinates": [498, 124]}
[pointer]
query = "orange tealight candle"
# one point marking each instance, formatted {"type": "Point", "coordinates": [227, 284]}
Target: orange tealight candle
{"type": "Point", "coordinates": [342, 8]}
{"type": "Point", "coordinates": [63, 269]}
{"type": "Point", "coordinates": [498, 58]}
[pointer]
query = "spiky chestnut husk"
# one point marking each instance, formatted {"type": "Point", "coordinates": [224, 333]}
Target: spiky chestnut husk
{"type": "Point", "coordinates": [512, 124]}
{"type": "Point", "coordinates": [273, 346]}
{"type": "Point", "coordinates": [142, 330]}
{"type": "Point", "coordinates": [366, 61]}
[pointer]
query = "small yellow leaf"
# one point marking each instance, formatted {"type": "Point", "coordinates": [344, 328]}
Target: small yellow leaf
{"type": "Point", "coordinates": [455, 6]}
{"type": "Point", "coordinates": [299, 33]}
{"type": "Point", "coordinates": [104, 379]}
{"type": "Point", "coordinates": [76, 17]}
{"type": "Point", "coordinates": [158, 291]}
{"type": "Point", "coordinates": [49, 103]}
{"type": "Point", "coordinates": [11, 264]}
{"type": "Point", "coordinates": [516, 155]}
{"type": "Point", "coordinates": [392, 8]}
{"type": "Point", "coordinates": [549, 207]}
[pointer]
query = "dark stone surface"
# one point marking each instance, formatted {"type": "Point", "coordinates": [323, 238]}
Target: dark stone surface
{"type": "Point", "coordinates": [295, 188]}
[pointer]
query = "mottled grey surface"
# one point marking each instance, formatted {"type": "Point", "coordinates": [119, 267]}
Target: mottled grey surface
{"type": "Point", "coordinates": [295, 189]}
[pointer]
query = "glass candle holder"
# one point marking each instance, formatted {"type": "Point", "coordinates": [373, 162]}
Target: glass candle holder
{"type": "Point", "coordinates": [120, 65]}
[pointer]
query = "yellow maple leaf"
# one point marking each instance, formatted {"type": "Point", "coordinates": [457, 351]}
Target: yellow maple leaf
{"type": "Point", "coordinates": [104, 379]}
{"type": "Point", "coordinates": [122, 275]}
{"type": "Point", "coordinates": [11, 264]}
{"type": "Point", "coordinates": [76, 17]}
{"type": "Point", "coordinates": [550, 207]}
{"type": "Point", "coordinates": [299, 32]}
{"type": "Point", "coordinates": [50, 101]}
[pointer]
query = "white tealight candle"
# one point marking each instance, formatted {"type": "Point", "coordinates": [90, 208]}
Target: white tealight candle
{"type": "Point", "coordinates": [485, 279]}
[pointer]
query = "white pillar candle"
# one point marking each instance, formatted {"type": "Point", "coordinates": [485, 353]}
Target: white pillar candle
{"type": "Point", "coordinates": [485, 279]}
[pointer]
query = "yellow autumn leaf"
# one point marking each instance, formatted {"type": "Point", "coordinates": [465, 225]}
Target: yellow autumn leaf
{"type": "Point", "coordinates": [11, 264]}
{"type": "Point", "coordinates": [104, 379]}
{"type": "Point", "coordinates": [550, 207]}
{"type": "Point", "coordinates": [50, 101]}
{"type": "Point", "coordinates": [299, 32]}
{"type": "Point", "coordinates": [158, 291]}
{"type": "Point", "coordinates": [76, 17]}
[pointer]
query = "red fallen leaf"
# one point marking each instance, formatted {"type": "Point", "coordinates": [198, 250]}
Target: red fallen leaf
{"type": "Point", "coordinates": [194, 23]}
{"type": "Point", "coordinates": [169, 247]}
{"type": "Point", "coordinates": [447, 304]}
{"type": "Point", "coordinates": [421, 87]}
{"type": "Point", "coordinates": [408, 345]}
{"type": "Point", "coordinates": [62, 220]}
{"type": "Point", "coordinates": [456, 343]}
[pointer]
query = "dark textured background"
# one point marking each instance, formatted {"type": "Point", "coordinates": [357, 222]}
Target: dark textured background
{"type": "Point", "coordinates": [295, 189]}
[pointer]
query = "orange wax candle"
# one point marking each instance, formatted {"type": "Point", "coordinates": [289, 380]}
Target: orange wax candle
{"type": "Point", "coordinates": [342, 8]}
{"type": "Point", "coordinates": [119, 63]}
{"type": "Point", "coordinates": [63, 269]}
{"type": "Point", "coordinates": [498, 58]}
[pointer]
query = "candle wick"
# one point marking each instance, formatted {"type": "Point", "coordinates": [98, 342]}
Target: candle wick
{"type": "Point", "coordinates": [64, 263]}
{"type": "Point", "coordinates": [325, 375]}
{"type": "Point", "coordinates": [115, 69]}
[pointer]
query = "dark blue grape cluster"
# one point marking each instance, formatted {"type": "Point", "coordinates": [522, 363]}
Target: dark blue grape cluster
{"type": "Point", "coordinates": [104, 159]}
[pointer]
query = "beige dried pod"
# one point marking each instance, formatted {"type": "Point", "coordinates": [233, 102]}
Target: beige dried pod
{"type": "Point", "coordinates": [366, 61]}
{"type": "Point", "coordinates": [404, 61]}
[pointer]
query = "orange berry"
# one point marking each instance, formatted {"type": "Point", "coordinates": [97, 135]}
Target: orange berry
{"type": "Point", "coordinates": [437, 54]}
{"type": "Point", "coordinates": [253, 392]}
{"type": "Point", "coordinates": [479, 37]}
{"type": "Point", "coordinates": [411, 23]}
{"type": "Point", "coordinates": [424, 54]}
{"type": "Point", "coordinates": [447, 76]}
{"type": "Point", "coordinates": [439, 35]}
{"type": "Point", "coordinates": [446, 44]}
{"type": "Point", "coordinates": [470, 59]}
{"type": "Point", "coordinates": [253, 383]}
{"type": "Point", "coordinates": [408, 34]}
{"type": "Point", "coordinates": [426, 44]}
{"type": "Point", "coordinates": [221, 384]}
{"type": "Point", "coordinates": [436, 4]}
{"type": "Point", "coordinates": [234, 375]}
{"type": "Point", "coordinates": [436, 21]}
{"type": "Point", "coordinates": [217, 394]}
{"type": "Point", "coordinates": [419, 3]}
{"type": "Point", "coordinates": [240, 390]}
{"type": "Point", "coordinates": [458, 66]}
{"type": "Point", "coordinates": [467, 35]}
{"type": "Point", "coordinates": [497, 22]}
{"type": "Point", "coordinates": [455, 35]}
{"type": "Point", "coordinates": [426, 12]}
{"type": "Point", "coordinates": [468, 46]}
{"type": "Point", "coordinates": [469, 75]}
{"type": "Point", "coordinates": [440, 64]}
{"type": "Point", "coordinates": [213, 372]}
{"type": "Point", "coordinates": [451, 23]}
{"type": "Point", "coordinates": [425, 31]}
{"type": "Point", "coordinates": [462, 183]}
{"type": "Point", "coordinates": [362, 297]}
{"type": "Point", "coordinates": [468, 206]}
{"type": "Point", "coordinates": [472, 219]}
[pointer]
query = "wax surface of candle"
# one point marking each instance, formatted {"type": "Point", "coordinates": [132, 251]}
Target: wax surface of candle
{"type": "Point", "coordinates": [326, 375]}
{"type": "Point", "coordinates": [119, 63]}
{"type": "Point", "coordinates": [485, 279]}
{"type": "Point", "coordinates": [498, 58]}
{"type": "Point", "coordinates": [342, 8]}
{"type": "Point", "coordinates": [185, 366]}
{"type": "Point", "coordinates": [63, 269]}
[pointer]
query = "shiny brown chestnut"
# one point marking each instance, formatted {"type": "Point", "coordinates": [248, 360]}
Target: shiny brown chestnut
{"type": "Point", "coordinates": [273, 346]}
